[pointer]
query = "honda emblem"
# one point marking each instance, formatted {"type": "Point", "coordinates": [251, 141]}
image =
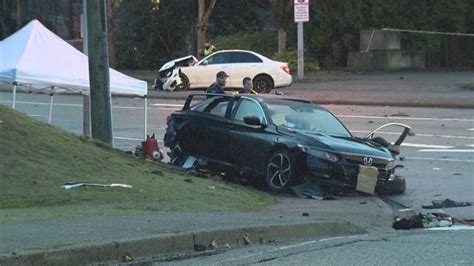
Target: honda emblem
{"type": "Point", "coordinates": [368, 161]}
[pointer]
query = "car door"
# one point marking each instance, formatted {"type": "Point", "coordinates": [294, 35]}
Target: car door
{"type": "Point", "coordinates": [205, 72]}
{"type": "Point", "coordinates": [249, 143]}
{"type": "Point", "coordinates": [243, 64]}
{"type": "Point", "coordinates": [207, 130]}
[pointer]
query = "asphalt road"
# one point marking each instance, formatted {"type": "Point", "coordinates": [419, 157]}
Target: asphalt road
{"type": "Point", "coordinates": [406, 248]}
{"type": "Point", "coordinates": [438, 161]}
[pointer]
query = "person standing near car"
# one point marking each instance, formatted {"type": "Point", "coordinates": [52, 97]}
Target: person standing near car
{"type": "Point", "coordinates": [248, 86]}
{"type": "Point", "coordinates": [217, 86]}
{"type": "Point", "coordinates": [207, 50]}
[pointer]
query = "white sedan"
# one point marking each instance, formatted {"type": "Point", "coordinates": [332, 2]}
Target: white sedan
{"type": "Point", "coordinates": [265, 73]}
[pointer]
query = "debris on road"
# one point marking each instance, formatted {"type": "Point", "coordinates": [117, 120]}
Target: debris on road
{"type": "Point", "coordinates": [447, 203]}
{"type": "Point", "coordinates": [213, 244]}
{"type": "Point", "coordinates": [305, 214]}
{"type": "Point", "coordinates": [71, 185]}
{"type": "Point", "coordinates": [246, 239]}
{"type": "Point", "coordinates": [312, 190]}
{"type": "Point", "coordinates": [429, 220]}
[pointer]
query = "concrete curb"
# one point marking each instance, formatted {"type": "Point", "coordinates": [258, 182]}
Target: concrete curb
{"type": "Point", "coordinates": [159, 245]}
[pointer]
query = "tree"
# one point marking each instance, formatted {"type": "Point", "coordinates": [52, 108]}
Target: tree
{"type": "Point", "coordinates": [282, 11]}
{"type": "Point", "coordinates": [203, 21]}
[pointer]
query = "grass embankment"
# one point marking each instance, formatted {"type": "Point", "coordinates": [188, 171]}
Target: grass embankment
{"type": "Point", "coordinates": [37, 159]}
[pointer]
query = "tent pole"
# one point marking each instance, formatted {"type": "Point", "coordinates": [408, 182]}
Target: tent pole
{"type": "Point", "coordinates": [14, 95]}
{"type": "Point", "coordinates": [145, 118]}
{"type": "Point", "coordinates": [50, 114]}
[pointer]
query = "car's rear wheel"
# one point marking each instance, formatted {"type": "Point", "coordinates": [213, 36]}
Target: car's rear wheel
{"type": "Point", "coordinates": [177, 156]}
{"type": "Point", "coordinates": [280, 171]}
{"type": "Point", "coordinates": [184, 82]}
{"type": "Point", "coordinates": [263, 84]}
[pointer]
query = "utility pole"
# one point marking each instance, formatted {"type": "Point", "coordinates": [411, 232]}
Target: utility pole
{"type": "Point", "coordinates": [101, 111]}
{"type": "Point", "coordinates": [86, 103]}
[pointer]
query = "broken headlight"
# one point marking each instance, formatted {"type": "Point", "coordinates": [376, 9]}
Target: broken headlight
{"type": "Point", "coordinates": [319, 153]}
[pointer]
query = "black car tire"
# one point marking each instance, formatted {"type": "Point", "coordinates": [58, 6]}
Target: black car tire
{"type": "Point", "coordinates": [280, 171]}
{"type": "Point", "coordinates": [395, 186]}
{"type": "Point", "coordinates": [184, 86]}
{"type": "Point", "coordinates": [263, 84]}
{"type": "Point", "coordinates": [177, 157]}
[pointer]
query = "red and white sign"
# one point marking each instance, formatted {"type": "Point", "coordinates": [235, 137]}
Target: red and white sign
{"type": "Point", "coordinates": [301, 10]}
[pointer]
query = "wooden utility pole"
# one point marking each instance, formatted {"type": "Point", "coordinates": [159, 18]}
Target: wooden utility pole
{"type": "Point", "coordinates": [202, 22]}
{"type": "Point", "coordinates": [101, 113]}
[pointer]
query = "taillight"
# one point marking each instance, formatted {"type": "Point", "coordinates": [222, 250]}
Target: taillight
{"type": "Point", "coordinates": [286, 69]}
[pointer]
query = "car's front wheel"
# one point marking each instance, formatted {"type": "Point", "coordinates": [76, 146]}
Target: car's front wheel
{"type": "Point", "coordinates": [263, 84]}
{"type": "Point", "coordinates": [184, 82]}
{"type": "Point", "coordinates": [280, 171]}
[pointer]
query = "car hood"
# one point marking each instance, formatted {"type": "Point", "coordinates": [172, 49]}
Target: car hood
{"type": "Point", "coordinates": [173, 62]}
{"type": "Point", "coordinates": [344, 146]}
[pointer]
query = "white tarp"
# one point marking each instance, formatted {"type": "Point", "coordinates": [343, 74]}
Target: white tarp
{"type": "Point", "coordinates": [36, 57]}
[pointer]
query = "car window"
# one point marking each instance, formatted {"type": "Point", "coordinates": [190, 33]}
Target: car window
{"type": "Point", "coordinates": [219, 109]}
{"type": "Point", "coordinates": [305, 116]}
{"type": "Point", "coordinates": [248, 107]}
{"type": "Point", "coordinates": [215, 106]}
{"type": "Point", "coordinates": [219, 58]}
{"type": "Point", "coordinates": [243, 57]}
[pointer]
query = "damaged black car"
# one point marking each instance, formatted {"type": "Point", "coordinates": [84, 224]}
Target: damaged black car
{"type": "Point", "coordinates": [282, 141]}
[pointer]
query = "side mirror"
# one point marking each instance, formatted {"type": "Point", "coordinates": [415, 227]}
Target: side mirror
{"type": "Point", "coordinates": [253, 121]}
{"type": "Point", "coordinates": [205, 63]}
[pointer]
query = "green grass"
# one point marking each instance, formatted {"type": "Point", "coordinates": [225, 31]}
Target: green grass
{"type": "Point", "coordinates": [36, 159]}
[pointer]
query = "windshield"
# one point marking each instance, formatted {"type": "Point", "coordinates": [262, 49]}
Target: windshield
{"type": "Point", "coordinates": [305, 117]}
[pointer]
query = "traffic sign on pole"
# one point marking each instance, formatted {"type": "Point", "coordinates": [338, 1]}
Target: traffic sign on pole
{"type": "Point", "coordinates": [301, 10]}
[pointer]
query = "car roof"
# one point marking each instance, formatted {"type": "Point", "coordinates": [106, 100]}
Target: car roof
{"type": "Point", "coordinates": [263, 98]}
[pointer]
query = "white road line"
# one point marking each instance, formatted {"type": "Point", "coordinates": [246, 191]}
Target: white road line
{"type": "Point", "coordinates": [440, 159]}
{"type": "Point", "coordinates": [170, 107]}
{"type": "Point", "coordinates": [470, 129]}
{"type": "Point", "coordinates": [416, 134]}
{"type": "Point", "coordinates": [36, 115]}
{"type": "Point", "coordinates": [426, 146]}
{"type": "Point", "coordinates": [295, 245]}
{"type": "Point", "coordinates": [445, 150]}
{"type": "Point", "coordinates": [166, 104]}
{"type": "Point", "coordinates": [408, 118]}
{"type": "Point", "coordinates": [470, 145]}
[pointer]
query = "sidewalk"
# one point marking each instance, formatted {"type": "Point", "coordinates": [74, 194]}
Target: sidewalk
{"type": "Point", "coordinates": [66, 240]}
{"type": "Point", "coordinates": [411, 89]}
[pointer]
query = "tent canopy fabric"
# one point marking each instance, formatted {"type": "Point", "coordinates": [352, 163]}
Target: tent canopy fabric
{"type": "Point", "coordinates": [37, 57]}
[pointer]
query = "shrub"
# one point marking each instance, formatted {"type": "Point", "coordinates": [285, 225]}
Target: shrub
{"type": "Point", "coordinates": [292, 58]}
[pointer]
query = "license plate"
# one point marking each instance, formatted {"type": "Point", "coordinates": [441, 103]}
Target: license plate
{"type": "Point", "coordinates": [367, 179]}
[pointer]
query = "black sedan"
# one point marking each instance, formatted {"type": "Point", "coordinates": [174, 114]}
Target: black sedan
{"type": "Point", "coordinates": [281, 140]}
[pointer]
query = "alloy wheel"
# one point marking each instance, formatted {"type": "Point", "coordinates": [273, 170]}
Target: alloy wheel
{"type": "Point", "coordinates": [279, 171]}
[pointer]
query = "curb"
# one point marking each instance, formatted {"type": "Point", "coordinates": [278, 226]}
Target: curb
{"type": "Point", "coordinates": [159, 245]}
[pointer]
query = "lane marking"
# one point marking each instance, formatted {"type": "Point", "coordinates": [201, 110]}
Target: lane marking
{"type": "Point", "coordinates": [37, 115]}
{"type": "Point", "coordinates": [416, 134]}
{"type": "Point", "coordinates": [408, 118]}
{"type": "Point", "coordinates": [445, 150]}
{"type": "Point", "coordinates": [470, 129]}
{"type": "Point", "coordinates": [296, 245]}
{"type": "Point", "coordinates": [170, 107]}
{"type": "Point", "coordinates": [166, 104]}
{"type": "Point", "coordinates": [470, 145]}
{"type": "Point", "coordinates": [427, 146]}
{"type": "Point", "coordinates": [440, 159]}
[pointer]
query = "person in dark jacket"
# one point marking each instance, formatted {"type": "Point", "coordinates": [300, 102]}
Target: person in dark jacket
{"type": "Point", "coordinates": [216, 87]}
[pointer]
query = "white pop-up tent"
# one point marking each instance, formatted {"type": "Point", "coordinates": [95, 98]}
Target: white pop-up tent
{"type": "Point", "coordinates": [39, 60]}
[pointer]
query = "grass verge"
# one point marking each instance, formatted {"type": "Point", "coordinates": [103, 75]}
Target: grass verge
{"type": "Point", "coordinates": [36, 159]}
